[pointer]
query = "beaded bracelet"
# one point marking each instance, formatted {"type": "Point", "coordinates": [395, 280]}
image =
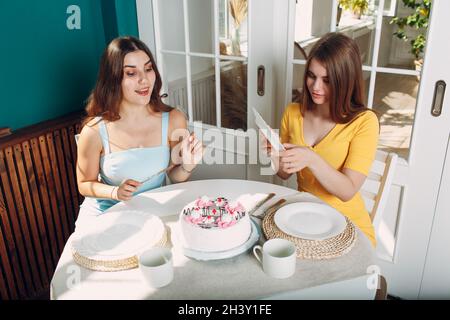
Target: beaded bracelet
{"type": "Point", "coordinates": [112, 193]}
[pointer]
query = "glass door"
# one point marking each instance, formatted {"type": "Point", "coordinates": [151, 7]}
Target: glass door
{"type": "Point", "coordinates": [401, 69]}
{"type": "Point", "coordinates": [205, 53]}
{"type": "Point", "coordinates": [202, 50]}
{"type": "Point", "coordinates": [208, 53]}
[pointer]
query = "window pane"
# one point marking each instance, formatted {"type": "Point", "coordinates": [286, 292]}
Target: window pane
{"type": "Point", "coordinates": [360, 26]}
{"type": "Point", "coordinates": [233, 88]}
{"type": "Point", "coordinates": [175, 78]}
{"type": "Point", "coordinates": [223, 19]}
{"type": "Point", "coordinates": [395, 52]}
{"type": "Point", "coordinates": [395, 101]}
{"type": "Point", "coordinates": [201, 26]}
{"type": "Point", "coordinates": [298, 72]}
{"type": "Point", "coordinates": [233, 21]}
{"type": "Point", "coordinates": [203, 90]}
{"type": "Point", "coordinates": [171, 20]}
{"type": "Point", "coordinates": [366, 78]}
{"type": "Point", "coordinates": [312, 20]}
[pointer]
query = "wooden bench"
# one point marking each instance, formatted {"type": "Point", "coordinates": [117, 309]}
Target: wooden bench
{"type": "Point", "coordinates": [39, 202]}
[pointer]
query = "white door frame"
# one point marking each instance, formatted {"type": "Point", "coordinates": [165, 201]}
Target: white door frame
{"type": "Point", "coordinates": [436, 276]}
{"type": "Point", "coordinates": [425, 165]}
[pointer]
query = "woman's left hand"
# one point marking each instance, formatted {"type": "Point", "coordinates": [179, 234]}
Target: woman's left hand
{"type": "Point", "coordinates": [295, 158]}
{"type": "Point", "coordinates": [191, 151]}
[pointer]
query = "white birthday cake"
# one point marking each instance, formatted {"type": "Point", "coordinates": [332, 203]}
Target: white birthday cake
{"type": "Point", "coordinates": [213, 225]}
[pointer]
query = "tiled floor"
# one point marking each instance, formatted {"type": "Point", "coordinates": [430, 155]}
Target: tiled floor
{"type": "Point", "coordinates": [395, 101]}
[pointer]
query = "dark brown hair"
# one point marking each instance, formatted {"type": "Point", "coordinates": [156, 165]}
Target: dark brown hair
{"type": "Point", "coordinates": [340, 56]}
{"type": "Point", "coordinates": [105, 99]}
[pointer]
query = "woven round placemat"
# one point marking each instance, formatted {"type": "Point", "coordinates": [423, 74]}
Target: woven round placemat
{"type": "Point", "coordinates": [314, 249]}
{"type": "Point", "coordinates": [114, 265]}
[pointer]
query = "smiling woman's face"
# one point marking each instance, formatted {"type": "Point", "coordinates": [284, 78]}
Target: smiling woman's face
{"type": "Point", "coordinates": [138, 78]}
{"type": "Point", "coordinates": [317, 82]}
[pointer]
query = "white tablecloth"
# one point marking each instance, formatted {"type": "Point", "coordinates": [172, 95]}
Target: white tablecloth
{"type": "Point", "coordinates": [240, 277]}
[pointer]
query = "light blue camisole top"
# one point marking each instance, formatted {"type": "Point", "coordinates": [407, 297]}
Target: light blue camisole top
{"type": "Point", "coordinates": [136, 163]}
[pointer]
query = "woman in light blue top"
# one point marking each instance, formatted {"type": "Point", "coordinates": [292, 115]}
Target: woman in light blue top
{"type": "Point", "coordinates": [129, 133]}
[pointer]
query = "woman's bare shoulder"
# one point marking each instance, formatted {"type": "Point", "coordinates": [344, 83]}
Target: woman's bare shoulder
{"type": "Point", "coordinates": [177, 119]}
{"type": "Point", "coordinates": [91, 133]}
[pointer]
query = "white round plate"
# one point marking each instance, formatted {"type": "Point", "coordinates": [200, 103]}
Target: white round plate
{"type": "Point", "coordinates": [118, 235]}
{"type": "Point", "coordinates": [218, 255]}
{"type": "Point", "coordinates": [310, 220]}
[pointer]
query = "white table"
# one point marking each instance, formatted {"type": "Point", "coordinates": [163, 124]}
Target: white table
{"type": "Point", "coordinates": [240, 277]}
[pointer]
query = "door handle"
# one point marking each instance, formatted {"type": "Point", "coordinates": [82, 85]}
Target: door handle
{"type": "Point", "coordinates": [438, 99]}
{"type": "Point", "coordinates": [261, 80]}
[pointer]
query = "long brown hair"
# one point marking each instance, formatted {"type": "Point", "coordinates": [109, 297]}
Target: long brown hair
{"type": "Point", "coordinates": [105, 99]}
{"type": "Point", "coordinates": [341, 58]}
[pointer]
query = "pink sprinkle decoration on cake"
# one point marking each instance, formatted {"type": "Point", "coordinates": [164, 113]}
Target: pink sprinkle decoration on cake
{"type": "Point", "coordinates": [217, 213]}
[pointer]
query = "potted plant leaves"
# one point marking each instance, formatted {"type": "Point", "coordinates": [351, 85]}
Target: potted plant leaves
{"type": "Point", "coordinates": [357, 7]}
{"type": "Point", "coordinates": [417, 20]}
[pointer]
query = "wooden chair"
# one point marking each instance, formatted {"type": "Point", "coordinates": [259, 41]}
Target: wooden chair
{"type": "Point", "coordinates": [375, 192]}
{"type": "Point", "coordinates": [376, 188]}
{"type": "Point", "coordinates": [381, 293]}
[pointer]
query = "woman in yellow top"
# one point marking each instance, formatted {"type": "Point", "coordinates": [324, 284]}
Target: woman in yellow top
{"type": "Point", "coordinates": [331, 137]}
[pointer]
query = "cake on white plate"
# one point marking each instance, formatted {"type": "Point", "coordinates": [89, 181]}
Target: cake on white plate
{"type": "Point", "coordinates": [213, 225]}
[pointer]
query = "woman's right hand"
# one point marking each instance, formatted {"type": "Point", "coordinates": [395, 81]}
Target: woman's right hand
{"type": "Point", "coordinates": [275, 161]}
{"type": "Point", "coordinates": [266, 146]}
{"type": "Point", "coordinates": [126, 189]}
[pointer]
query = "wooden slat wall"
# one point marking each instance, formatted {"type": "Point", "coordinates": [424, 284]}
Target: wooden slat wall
{"type": "Point", "coordinates": [39, 202]}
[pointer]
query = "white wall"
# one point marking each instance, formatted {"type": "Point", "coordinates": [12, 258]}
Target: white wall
{"type": "Point", "coordinates": [386, 42]}
{"type": "Point", "coordinates": [321, 17]}
{"type": "Point", "coordinates": [303, 13]}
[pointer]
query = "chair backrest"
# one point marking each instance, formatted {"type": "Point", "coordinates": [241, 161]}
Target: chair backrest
{"type": "Point", "coordinates": [375, 190]}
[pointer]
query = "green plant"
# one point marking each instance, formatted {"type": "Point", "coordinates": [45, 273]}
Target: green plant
{"type": "Point", "coordinates": [417, 20]}
{"type": "Point", "coordinates": [358, 7]}
{"type": "Point", "coordinates": [345, 4]}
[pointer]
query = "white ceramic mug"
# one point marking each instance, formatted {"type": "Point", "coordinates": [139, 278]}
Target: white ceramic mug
{"type": "Point", "coordinates": [156, 266]}
{"type": "Point", "coordinates": [278, 258]}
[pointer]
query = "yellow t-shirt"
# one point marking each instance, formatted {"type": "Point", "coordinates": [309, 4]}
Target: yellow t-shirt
{"type": "Point", "coordinates": [350, 145]}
